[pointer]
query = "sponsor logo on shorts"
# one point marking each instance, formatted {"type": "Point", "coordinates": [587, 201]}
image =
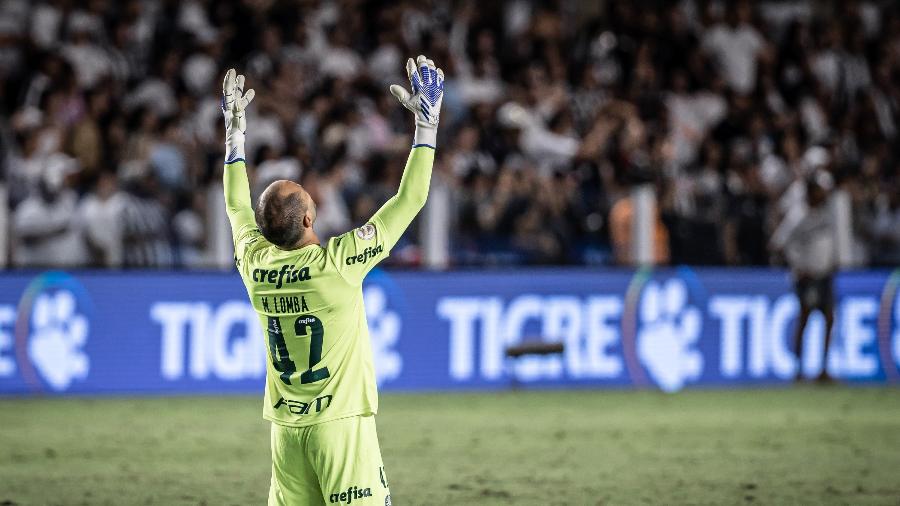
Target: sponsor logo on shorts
{"type": "Point", "coordinates": [352, 493]}
{"type": "Point", "coordinates": [365, 255]}
{"type": "Point", "coordinates": [302, 408]}
{"type": "Point", "coordinates": [387, 500]}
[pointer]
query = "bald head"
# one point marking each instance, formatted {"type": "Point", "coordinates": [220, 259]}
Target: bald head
{"type": "Point", "coordinates": [285, 214]}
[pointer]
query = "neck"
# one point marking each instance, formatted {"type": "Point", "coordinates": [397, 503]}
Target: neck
{"type": "Point", "coordinates": [308, 238]}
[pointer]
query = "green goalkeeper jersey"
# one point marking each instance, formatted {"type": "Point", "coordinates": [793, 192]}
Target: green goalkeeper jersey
{"type": "Point", "coordinates": [310, 302]}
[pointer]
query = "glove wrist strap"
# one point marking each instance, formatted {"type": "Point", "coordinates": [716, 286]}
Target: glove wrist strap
{"type": "Point", "coordinates": [234, 146]}
{"type": "Point", "coordinates": [425, 136]}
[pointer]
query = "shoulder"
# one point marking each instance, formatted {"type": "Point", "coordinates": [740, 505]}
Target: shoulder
{"type": "Point", "coordinates": [249, 244]}
{"type": "Point", "coordinates": [251, 240]}
{"type": "Point", "coordinates": [356, 246]}
{"type": "Point", "coordinates": [338, 245]}
{"type": "Point", "coordinates": [355, 237]}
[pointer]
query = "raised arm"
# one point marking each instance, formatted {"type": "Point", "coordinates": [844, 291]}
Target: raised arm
{"type": "Point", "coordinates": [237, 186]}
{"type": "Point", "coordinates": [427, 83]}
{"type": "Point", "coordinates": [356, 252]}
{"type": "Point", "coordinates": [398, 212]}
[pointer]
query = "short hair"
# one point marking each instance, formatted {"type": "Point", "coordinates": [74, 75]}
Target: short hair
{"type": "Point", "coordinates": [280, 217]}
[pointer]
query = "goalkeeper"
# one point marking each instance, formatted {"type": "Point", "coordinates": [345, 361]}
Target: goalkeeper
{"type": "Point", "coordinates": [320, 390]}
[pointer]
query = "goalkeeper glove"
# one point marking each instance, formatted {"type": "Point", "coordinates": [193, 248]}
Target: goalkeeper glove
{"type": "Point", "coordinates": [425, 101]}
{"type": "Point", "coordinates": [234, 103]}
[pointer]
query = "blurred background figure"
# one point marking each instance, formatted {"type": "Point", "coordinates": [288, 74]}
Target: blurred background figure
{"type": "Point", "coordinates": [47, 223]}
{"type": "Point", "coordinates": [806, 236]}
{"type": "Point", "coordinates": [102, 211]}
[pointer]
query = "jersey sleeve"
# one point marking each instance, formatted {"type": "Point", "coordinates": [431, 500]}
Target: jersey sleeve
{"type": "Point", "coordinates": [355, 253]}
{"type": "Point", "coordinates": [244, 231]}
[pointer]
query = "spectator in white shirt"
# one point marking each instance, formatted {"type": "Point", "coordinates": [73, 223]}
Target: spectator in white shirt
{"type": "Point", "coordinates": [46, 225]}
{"type": "Point", "coordinates": [736, 47]}
{"type": "Point", "coordinates": [101, 212]}
{"type": "Point", "coordinates": [90, 62]}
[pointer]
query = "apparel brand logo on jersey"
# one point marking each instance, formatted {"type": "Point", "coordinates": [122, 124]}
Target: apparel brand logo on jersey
{"type": "Point", "coordinates": [366, 232]}
{"type": "Point", "coordinates": [351, 494]}
{"type": "Point", "coordinates": [277, 277]}
{"type": "Point", "coordinates": [302, 408]}
{"type": "Point", "coordinates": [365, 255]}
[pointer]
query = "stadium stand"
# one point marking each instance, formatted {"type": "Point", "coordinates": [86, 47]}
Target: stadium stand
{"type": "Point", "coordinates": [111, 145]}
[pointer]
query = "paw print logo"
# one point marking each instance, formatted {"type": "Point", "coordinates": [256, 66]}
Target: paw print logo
{"type": "Point", "coordinates": [668, 332]}
{"type": "Point", "coordinates": [384, 331]}
{"type": "Point", "coordinates": [896, 345]}
{"type": "Point", "coordinates": [58, 333]}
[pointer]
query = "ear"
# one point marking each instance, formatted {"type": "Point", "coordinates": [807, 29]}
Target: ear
{"type": "Point", "coordinates": [307, 221]}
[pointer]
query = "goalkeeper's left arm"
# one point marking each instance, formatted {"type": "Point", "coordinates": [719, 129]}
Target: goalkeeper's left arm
{"type": "Point", "coordinates": [357, 252]}
{"type": "Point", "coordinates": [427, 82]}
{"type": "Point", "coordinates": [237, 186]}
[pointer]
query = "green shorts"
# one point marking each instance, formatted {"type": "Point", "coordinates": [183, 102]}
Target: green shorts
{"type": "Point", "coordinates": [336, 462]}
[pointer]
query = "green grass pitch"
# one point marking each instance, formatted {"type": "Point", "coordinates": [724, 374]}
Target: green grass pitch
{"type": "Point", "coordinates": [783, 446]}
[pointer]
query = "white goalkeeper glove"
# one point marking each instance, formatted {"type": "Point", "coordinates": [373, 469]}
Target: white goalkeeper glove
{"type": "Point", "coordinates": [425, 101]}
{"type": "Point", "coordinates": [234, 103]}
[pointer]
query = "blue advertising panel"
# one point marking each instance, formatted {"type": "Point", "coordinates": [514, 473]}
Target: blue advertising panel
{"type": "Point", "coordinates": [95, 333]}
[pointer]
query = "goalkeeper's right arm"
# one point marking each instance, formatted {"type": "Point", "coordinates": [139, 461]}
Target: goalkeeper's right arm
{"type": "Point", "coordinates": [235, 182]}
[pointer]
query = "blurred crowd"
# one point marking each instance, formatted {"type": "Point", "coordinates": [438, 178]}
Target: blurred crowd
{"type": "Point", "coordinates": [554, 112]}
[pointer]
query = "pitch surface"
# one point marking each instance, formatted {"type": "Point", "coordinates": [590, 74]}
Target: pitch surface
{"type": "Point", "coordinates": [785, 446]}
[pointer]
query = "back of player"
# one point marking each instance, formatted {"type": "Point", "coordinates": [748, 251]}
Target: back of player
{"type": "Point", "coordinates": [320, 382]}
{"type": "Point", "coordinates": [321, 393]}
{"type": "Point", "coordinates": [311, 307]}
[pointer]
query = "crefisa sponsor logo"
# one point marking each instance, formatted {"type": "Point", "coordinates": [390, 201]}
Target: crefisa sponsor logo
{"type": "Point", "coordinates": [366, 254]}
{"type": "Point", "coordinates": [51, 330]}
{"type": "Point", "coordinates": [347, 497]}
